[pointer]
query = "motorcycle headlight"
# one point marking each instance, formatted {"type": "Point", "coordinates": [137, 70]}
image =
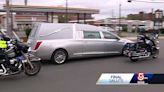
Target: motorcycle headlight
{"type": "Point", "coordinates": [157, 42]}
{"type": "Point", "coordinates": [29, 49]}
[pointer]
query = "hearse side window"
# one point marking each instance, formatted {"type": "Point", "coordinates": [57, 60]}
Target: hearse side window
{"type": "Point", "coordinates": [109, 36]}
{"type": "Point", "coordinates": [91, 35]}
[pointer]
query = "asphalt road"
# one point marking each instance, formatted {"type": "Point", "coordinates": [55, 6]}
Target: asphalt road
{"type": "Point", "coordinates": [81, 75]}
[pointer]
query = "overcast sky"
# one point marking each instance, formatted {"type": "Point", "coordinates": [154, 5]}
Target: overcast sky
{"type": "Point", "coordinates": [106, 7]}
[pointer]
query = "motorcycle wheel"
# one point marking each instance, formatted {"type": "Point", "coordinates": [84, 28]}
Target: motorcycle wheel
{"type": "Point", "coordinates": [156, 55]}
{"type": "Point", "coordinates": [133, 60]}
{"type": "Point", "coordinates": [31, 72]}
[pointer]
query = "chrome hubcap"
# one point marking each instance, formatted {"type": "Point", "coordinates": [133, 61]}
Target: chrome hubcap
{"type": "Point", "coordinates": [60, 57]}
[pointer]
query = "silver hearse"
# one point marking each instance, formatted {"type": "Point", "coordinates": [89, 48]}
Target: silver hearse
{"type": "Point", "coordinates": [59, 42]}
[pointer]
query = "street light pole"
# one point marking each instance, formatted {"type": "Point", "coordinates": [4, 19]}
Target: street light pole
{"type": "Point", "coordinates": [8, 18]}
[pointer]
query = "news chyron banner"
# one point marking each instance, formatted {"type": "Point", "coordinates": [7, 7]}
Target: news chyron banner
{"type": "Point", "coordinates": [130, 78]}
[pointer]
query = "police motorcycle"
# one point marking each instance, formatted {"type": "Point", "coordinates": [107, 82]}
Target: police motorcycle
{"type": "Point", "coordinates": [145, 47]}
{"type": "Point", "coordinates": [16, 58]}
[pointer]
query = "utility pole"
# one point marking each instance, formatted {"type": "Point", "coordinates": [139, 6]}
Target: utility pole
{"type": "Point", "coordinates": [112, 14]}
{"type": "Point", "coordinates": [8, 18]}
{"type": "Point", "coordinates": [66, 14]}
{"type": "Point", "coordinates": [25, 2]}
{"type": "Point", "coordinates": [119, 33]}
{"type": "Point", "coordinates": [153, 17]}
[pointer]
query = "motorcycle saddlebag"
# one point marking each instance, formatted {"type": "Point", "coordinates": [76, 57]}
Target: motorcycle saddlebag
{"type": "Point", "coordinates": [2, 56]}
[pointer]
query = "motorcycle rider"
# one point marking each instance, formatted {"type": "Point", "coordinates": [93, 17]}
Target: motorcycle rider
{"type": "Point", "coordinates": [14, 59]}
{"type": "Point", "coordinates": [142, 38]}
{"type": "Point", "coordinates": [4, 44]}
{"type": "Point", "coordinates": [3, 41]}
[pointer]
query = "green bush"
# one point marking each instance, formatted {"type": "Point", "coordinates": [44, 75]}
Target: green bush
{"type": "Point", "coordinates": [124, 29]}
{"type": "Point", "coordinates": [27, 31]}
{"type": "Point", "coordinates": [150, 31]}
{"type": "Point", "coordinates": [133, 30]}
{"type": "Point", "coordinates": [162, 30]}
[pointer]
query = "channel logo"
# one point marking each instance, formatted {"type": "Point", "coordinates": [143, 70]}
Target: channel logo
{"type": "Point", "coordinates": [141, 78]}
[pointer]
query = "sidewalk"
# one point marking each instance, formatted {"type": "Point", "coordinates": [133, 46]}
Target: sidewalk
{"type": "Point", "coordinates": [134, 38]}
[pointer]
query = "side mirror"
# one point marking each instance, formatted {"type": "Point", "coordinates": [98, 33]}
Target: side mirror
{"type": "Point", "coordinates": [117, 38]}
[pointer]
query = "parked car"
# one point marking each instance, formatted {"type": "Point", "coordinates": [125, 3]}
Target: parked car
{"type": "Point", "coordinates": [59, 42]}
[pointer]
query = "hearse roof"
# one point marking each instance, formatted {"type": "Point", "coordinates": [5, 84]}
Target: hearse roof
{"type": "Point", "coordinates": [77, 27]}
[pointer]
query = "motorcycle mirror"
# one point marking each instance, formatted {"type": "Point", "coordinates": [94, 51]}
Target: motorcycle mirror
{"type": "Point", "coordinates": [6, 39]}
